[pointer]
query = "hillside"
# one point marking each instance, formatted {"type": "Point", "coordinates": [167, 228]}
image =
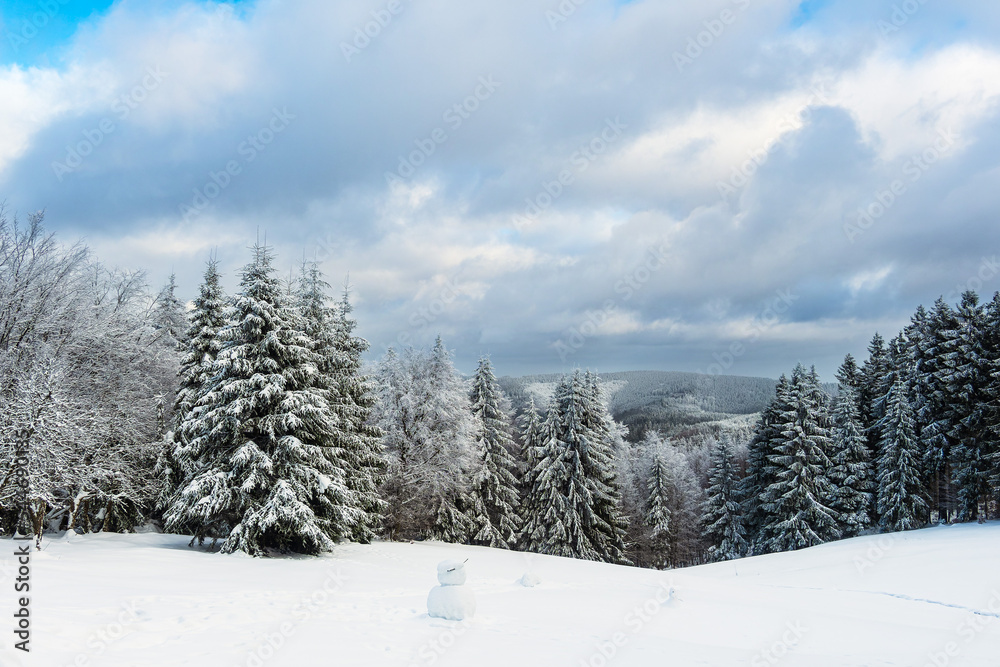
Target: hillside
{"type": "Point", "coordinates": [131, 600]}
{"type": "Point", "coordinates": [661, 400]}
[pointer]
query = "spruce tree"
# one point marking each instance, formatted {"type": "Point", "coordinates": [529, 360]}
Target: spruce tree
{"type": "Point", "coordinates": [604, 453]}
{"type": "Point", "coordinates": [203, 343]}
{"type": "Point", "coordinates": [533, 438]}
{"type": "Point", "coordinates": [494, 490]}
{"type": "Point", "coordinates": [872, 390]}
{"type": "Point", "coordinates": [991, 343]}
{"type": "Point", "coordinates": [574, 495]}
{"type": "Point", "coordinates": [849, 375]}
{"type": "Point", "coordinates": [852, 470]}
{"type": "Point", "coordinates": [358, 437]}
{"type": "Point", "coordinates": [798, 501]}
{"type": "Point", "coordinates": [935, 417]}
{"type": "Point", "coordinates": [901, 503]}
{"type": "Point", "coordinates": [261, 477]}
{"type": "Point", "coordinates": [722, 515]}
{"type": "Point", "coordinates": [657, 510]}
{"type": "Point", "coordinates": [968, 385]}
{"type": "Point", "coordinates": [355, 446]}
{"type": "Point", "coordinates": [673, 507]}
{"type": "Point", "coordinates": [761, 471]}
{"type": "Point", "coordinates": [169, 319]}
{"type": "Point", "coordinates": [452, 432]}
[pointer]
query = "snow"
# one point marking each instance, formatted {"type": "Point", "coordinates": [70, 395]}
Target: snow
{"type": "Point", "coordinates": [927, 597]}
{"type": "Point", "coordinates": [530, 580]}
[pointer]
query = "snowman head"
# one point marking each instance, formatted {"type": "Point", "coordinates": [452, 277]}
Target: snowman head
{"type": "Point", "coordinates": [451, 572]}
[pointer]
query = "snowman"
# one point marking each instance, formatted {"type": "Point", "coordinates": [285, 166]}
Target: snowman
{"type": "Point", "coordinates": [452, 599]}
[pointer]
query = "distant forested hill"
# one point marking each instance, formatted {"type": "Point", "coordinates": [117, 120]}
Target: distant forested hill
{"type": "Point", "coordinates": [667, 401]}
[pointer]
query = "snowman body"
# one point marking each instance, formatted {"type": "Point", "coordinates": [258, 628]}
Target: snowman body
{"type": "Point", "coordinates": [452, 600]}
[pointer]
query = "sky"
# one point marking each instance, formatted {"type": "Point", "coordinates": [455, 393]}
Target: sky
{"type": "Point", "coordinates": [716, 186]}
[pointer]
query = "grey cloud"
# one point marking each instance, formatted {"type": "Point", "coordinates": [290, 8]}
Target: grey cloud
{"type": "Point", "coordinates": [320, 184]}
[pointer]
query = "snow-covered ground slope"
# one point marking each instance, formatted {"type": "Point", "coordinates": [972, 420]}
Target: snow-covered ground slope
{"type": "Point", "coordinates": [929, 597]}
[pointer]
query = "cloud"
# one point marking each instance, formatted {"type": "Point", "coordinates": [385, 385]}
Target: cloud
{"type": "Point", "coordinates": [536, 166]}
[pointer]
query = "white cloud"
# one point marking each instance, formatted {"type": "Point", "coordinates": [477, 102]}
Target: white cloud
{"type": "Point", "coordinates": [452, 227]}
{"type": "Point", "coordinates": [902, 103]}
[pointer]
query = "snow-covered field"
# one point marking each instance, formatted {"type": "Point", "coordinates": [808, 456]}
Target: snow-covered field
{"type": "Point", "coordinates": [929, 597]}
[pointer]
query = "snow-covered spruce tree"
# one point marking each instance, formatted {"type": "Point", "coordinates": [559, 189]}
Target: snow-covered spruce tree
{"type": "Point", "coordinates": [798, 501]}
{"type": "Point", "coordinates": [657, 510]}
{"type": "Point", "coordinates": [355, 446]}
{"type": "Point", "coordinates": [261, 477]}
{"type": "Point", "coordinates": [901, 504]}
{"type": "Point", "coordinates": [203, 344]}
{"type": "Point", "coordinates": [671, 509]}
{"type": "Point", "coordinates": [968, 386]}
{"type": "Point", "coordinates": [632, 472]}
{"type": "Point", "coordinates": [761, 471]}
{"type": "Point", "coordinates": [852, 470]}
{"type": "Point", "coordinates": [920, 340]}
{"type": "Point", "coordinates": [872, 390]}
{"type": "Point", "coordinates": [722, 514]}
{"type": "Point", "coordinates": [173, 330]}
{"type": "Point", "coordinates": [169, 317]}
{"type": "Point", "coordinates": [936, 343]}
{"type": "Point", "coordinates": [568, 484]}
{"type": "Point", "coordinates": [849, 375]}
{"type": "Point", "coordinates": [395, 415]}
{"type": "Point", "coordinates": [530, 426]}
{"type": "Point", "coordinates": [604, 454]}
{"type": "Point", "coordinates": [494, 488]}
{"type": "Point", "coordinates": [991, 342]}
{"type": "Point", "coordinates": [453, 430]}
{"type": "Point", "coordinates": [425, 415]}
{"type": "Point", "coordinates": [533, 438]}
{"type": "Point", "coordinates": [359, 439]}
